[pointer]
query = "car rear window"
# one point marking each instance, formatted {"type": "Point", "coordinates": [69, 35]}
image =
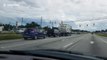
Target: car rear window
{"type": "Point", "coordinates": [28, 30]}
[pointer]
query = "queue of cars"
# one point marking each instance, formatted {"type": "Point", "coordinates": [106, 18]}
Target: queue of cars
{"type": "Point", "coordinates": [35, 33]}
{"type": "Point", "coordinates": [32, 33]}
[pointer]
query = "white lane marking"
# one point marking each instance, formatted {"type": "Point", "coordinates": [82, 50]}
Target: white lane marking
{"type": "Point", "coordinates": [104, 41]}
{"type": "Point", "coordinates": [71, 44]}
{"type": "Point", "coordinates": [91, 42]}
{"type": "Point", "coordinates": [67, 45]}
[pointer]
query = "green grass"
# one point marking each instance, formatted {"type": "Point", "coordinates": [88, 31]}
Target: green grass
{"type": "Point", "coordinates": [102, 34]}
{"type": "Point", "coordinates": [10, 36]}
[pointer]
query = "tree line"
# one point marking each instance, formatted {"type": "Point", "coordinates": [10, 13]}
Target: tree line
{"type": "Point", "coordinates": [8, 27]}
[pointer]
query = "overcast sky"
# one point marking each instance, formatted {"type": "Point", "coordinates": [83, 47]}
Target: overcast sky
{"type": "Point", "coordinates": [82, 12]}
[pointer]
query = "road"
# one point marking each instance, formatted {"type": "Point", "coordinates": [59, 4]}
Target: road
{"type": "Point", "coordinates": [89, 44]}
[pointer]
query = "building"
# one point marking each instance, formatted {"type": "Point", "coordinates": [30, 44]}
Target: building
{"type": "Point", "coordinates": [1, 28]}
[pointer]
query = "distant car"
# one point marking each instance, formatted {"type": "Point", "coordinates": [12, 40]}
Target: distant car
{"type": "Point", "coordinates": [19, 31]}
{"type": "Point", "coordinates": [33, 34]}
{"type": "Point", "coordinates": [53, 33]}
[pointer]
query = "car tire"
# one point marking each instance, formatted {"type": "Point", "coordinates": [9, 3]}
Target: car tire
{"type": "Point", "coordinates": [35, 38]}
{"type": "Point", "coordinates": [44, 37]}
{"type": "Point", "coordinates": [25, 38]}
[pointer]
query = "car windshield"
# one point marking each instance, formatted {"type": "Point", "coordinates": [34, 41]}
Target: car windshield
{"type": "Point", "coordinates": [70, 25]}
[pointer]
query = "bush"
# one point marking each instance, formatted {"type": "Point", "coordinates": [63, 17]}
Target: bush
{"type": "Point", "coordinates": [102, 34]}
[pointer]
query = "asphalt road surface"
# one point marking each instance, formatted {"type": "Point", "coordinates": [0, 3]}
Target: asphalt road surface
{"type": "Point", "coordinates": [89, 44]}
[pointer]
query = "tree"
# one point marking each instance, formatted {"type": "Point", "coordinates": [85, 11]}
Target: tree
{"type": "Point", "coordinates": [46, 28]}
{"type": "Point", "coordinates": [21, 26]}
{"type": "Point", "coordinates": [7, 27]}
{"type": "Point", "coordinates": [1, 24]}
{"type": "Point", "coordinates": [32, 25]}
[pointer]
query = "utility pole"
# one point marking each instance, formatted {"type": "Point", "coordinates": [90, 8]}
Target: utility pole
{"type": "Point", "coordinates": [55, 23]}
{"type": "Point", "coordinates": [41, 21]}
{"type": "Point", "coordinates": [93, 24]}
{"type": "Point", "coordinates": [16, 25]}
{"type": "Point", "coordinates": [52, 24]}
{"type": "Point", "coordinates": [9, 26]}
{"type": "Point", "coordinates": [22, 21]}
{"type": "Point", "coordinates": [87, 25]}
{"type": "Point", "coordinates": [79, 25]}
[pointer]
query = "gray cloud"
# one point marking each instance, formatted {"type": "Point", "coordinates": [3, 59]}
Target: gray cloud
{"type": "Point", "coordinates": [66, 10]}
{"type": "Point", "coordinates": [76, 1]}
{"type": "Point", "coordinates": [30, 3]}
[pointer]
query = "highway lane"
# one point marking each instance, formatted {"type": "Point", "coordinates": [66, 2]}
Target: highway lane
{"type": "Point", "coordinates": [63, 43]}
{"type": "Point", "coordinates": [30, 44]}
{"type": "Point", "coordinates": [87, 44]}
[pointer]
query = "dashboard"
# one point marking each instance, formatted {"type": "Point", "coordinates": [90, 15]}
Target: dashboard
{"type": "Point", "coordinates": [22, 57]}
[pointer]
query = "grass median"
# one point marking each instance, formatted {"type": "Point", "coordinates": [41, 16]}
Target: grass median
{"type": "Point", "coordinates": [10, 36]}
{"type": "Point", "coordinates": [102, 34]}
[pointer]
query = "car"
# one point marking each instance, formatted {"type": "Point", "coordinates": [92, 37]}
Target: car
{"type": "Point", "coordinates": [33, 33]}
{"type": "Point", "coordinates": [19, 31]}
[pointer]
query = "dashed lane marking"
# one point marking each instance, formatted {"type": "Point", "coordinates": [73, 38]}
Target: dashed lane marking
{"type": "Point", "coordinates": [67, 45]}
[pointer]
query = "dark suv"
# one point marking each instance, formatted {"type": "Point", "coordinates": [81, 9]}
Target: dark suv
{"type": "Point", "coordinates": [33, 33]}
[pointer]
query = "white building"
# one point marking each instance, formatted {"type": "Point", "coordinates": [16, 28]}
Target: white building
{"type": "Point", "coordinates": [1, 28]}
